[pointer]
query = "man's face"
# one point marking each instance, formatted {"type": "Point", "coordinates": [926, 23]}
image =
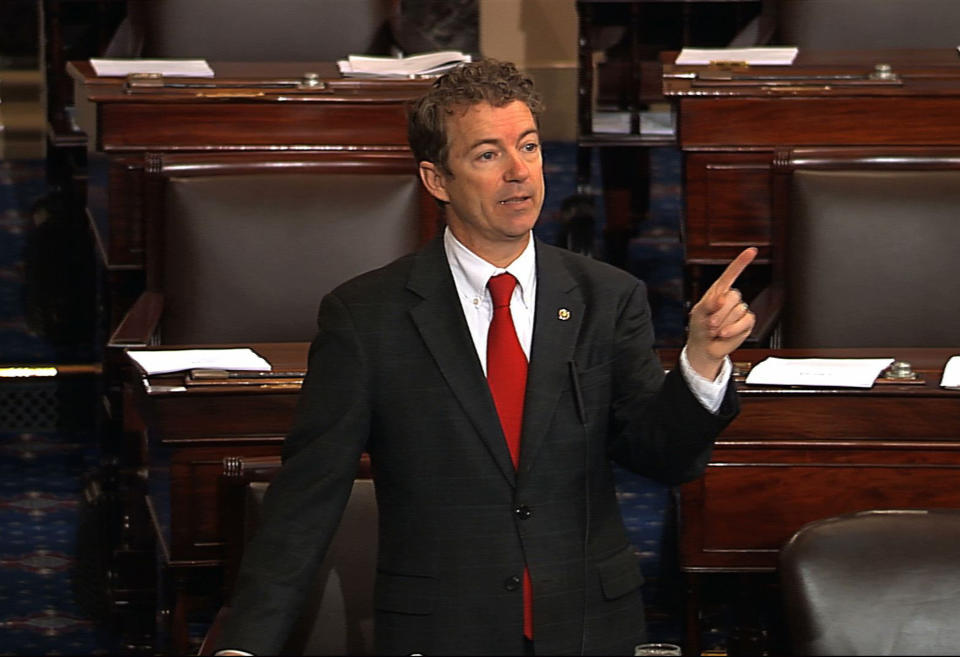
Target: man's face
{"type": "Point", "coordinates": [494, 185]}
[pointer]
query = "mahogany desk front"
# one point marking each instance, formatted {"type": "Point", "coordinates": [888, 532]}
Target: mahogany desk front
{"type": "Point", "coordinates": [795, 455]}
{"type": "Point", "coordinates": [732, 121]}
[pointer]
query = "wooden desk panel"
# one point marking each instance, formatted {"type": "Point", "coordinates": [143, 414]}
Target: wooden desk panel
{"type": "Point", "coordinates": [778, 497]}
{"type": "Point", "coordinates": [732, 210]}
{"type": "Point", "coordinates": [797, 120]}
{"type": "Point", "coordinates": [141, 126]}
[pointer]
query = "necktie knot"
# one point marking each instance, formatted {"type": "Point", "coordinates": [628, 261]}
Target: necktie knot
{"type": "Point", "coordinates": [501, 289]}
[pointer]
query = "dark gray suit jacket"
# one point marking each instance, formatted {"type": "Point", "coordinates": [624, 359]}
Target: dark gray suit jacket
{"type": "Point", "coordinates": [393, 370]}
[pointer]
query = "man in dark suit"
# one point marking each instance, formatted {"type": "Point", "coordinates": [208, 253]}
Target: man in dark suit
{"type": "Point", "coordinates": [500, 531]}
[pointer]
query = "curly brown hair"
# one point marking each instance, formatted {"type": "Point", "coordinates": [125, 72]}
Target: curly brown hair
{"type": "Point", "coordinates": [484, 81]}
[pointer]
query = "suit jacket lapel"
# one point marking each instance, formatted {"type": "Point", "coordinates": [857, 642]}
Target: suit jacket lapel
{"type": "Point", "coordinates": [443, 328]}
{"type": "Point", "coordinates": [559, 314]}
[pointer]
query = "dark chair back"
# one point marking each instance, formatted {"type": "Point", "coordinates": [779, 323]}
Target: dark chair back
{"type": "Point", "coordinates": [867, 249]}
{"type": "Point", "coordinates": [253, 30]}
{"type": "Point", "coordinates": [854, 24]}
{"type": "Point", "coordinates": [868, 24]}
{"type": "Point", "coordinates": [243, 247]}
{"type": "Point", "coordinates": [874, 583]}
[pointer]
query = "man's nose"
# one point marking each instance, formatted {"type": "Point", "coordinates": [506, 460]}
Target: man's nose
{"type": "Point", "coordinates": [517, 168]}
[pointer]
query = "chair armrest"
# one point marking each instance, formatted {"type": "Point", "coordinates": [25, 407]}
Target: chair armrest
{"type": "Point", "coordinates": [767, 306]}
{"type": "Point", "coordinates": [64, 133]}
{"type": "Point", "coordinates": [759, 31]}
{"type": "Point", "coordinates": [237, 475]}
{"type": "Point", "coordinates": [138, 328]}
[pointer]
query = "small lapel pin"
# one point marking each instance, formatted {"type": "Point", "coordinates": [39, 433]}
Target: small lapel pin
{"type": "Point", "coordinates": [563, 314]}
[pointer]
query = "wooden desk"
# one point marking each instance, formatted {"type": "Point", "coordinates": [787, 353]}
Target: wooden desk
{"type": "Point", "coordinates": [195, 433]}
{"type": "Point", "coordinates": [264, 106]}
{"type": "Point", "coordinates": [796, 455]}
{"type": "Point", "coordinates": [193, 430]}
{"type": "Point", "coordinates": [730, 130]}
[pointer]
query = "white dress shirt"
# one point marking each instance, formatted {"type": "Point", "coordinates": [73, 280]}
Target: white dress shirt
{"type": "Point", "coordinates": [470, 275]}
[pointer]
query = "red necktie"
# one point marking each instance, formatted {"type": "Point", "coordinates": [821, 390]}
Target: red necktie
{"type": "Point", "coordinates": [507, 377]}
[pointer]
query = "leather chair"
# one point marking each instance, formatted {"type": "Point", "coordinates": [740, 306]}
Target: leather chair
{"type": "Point", "coordinates": [864, 250]}
{"type": "Point", "coordinates": [883, 582]}
{"type": "Point", "coordinates": [253, 30]}
{"type": "Point", "coordinates": [338, 616]}
{"type": "Point", "coordinates": [240, 247]}
{"type": "Point", "coordinates": [854, 24]}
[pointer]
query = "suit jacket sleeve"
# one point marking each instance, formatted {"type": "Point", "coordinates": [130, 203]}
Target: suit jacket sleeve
{"type": "Point", "coordinates": [303, 505]}
{"type": "Point", "coordinates": [658, 427]}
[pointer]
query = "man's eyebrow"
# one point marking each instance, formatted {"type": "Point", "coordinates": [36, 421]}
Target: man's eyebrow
{"type": "Point", "coordinates": [481, 142]}
{"type": "Point", "coordinates": [496, 142]}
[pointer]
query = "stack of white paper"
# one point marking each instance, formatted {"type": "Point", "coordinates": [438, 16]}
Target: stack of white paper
{"type": "Point", "coordinates": [431, 63]}
{"type": "Point", "coordinates": [951, 373]}
{"type": "Point", "coordinates": [658, 122]}
{"type": "Point", "coordinates": [818, 372]}
{"type": "Point", "coordinates": [611, 122]}
{"type": "Point", "coordinates": [166, 361]}
{"type": "Point", "coordinates": [191, 68]}
{"type": "Point", "coordinates": [759, 56]}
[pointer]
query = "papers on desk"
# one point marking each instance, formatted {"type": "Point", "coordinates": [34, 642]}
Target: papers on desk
{"type": "Point", "coordinates": [431, 63]}
{"type": "Point", "coordinates": [189, 68]}
{"type": "Point", "coordinates": [761, 56]}
{"type": "Point", "coordinates": [168, 361]}
{"type": "Point", "coordinates": [951, 373]}
{"type": "Point", "coordinates": [818, 372]}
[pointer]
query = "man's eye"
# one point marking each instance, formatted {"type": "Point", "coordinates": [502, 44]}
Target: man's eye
{"type": "Point", "coordinates": [486, 155]}
{"type": "Point", "coordinates": [532, 147]}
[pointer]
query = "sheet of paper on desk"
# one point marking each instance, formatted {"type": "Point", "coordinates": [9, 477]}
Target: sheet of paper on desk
{"type": "Point", "coordinates": [760, 56]}
{"type": "Point", "coordinates": [166, 361]}
{"type": "Point", "coordinates": [951, 373]}
{"type": "Point", "coordinates": [423, 64]}
{"type": "Point", "coordinates": [190, 68]}
{"type": "Point", "coordinates": [818, 372]}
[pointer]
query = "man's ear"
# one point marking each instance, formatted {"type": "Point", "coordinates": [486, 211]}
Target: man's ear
{"type": "Point", "coordinates": [434, 180]}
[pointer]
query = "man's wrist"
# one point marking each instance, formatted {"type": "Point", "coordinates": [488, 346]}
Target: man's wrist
{"type": "Point", "coordinates": [709, 392]}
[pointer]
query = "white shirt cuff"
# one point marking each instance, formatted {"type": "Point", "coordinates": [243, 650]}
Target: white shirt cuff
{"type": "Point", "coordinates": [708, 393]}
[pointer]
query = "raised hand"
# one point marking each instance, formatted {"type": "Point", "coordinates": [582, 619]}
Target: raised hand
{"type": "Point", "coordinates": [720, 321]}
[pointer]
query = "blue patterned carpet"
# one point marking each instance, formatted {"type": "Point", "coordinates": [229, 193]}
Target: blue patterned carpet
{"type": "Point", "coordinates": [41, 465]}
{"type": "Point", "coordinates": [43, 468]}
{"type": "Point", "coordinates": [40, 486]}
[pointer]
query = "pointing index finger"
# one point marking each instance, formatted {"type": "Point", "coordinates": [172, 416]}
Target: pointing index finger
{"type": "Point", "coordinates": [733, 270]}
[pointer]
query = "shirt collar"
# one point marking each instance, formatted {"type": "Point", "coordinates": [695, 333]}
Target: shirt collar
{"type": "Point", "coordinates": [473, 272]}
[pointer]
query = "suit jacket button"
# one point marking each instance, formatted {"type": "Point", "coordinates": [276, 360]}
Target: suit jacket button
{"type": "Point", "coordinates": [523, 512]}
{"type": "Point", "coordinates": [512, 583]}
